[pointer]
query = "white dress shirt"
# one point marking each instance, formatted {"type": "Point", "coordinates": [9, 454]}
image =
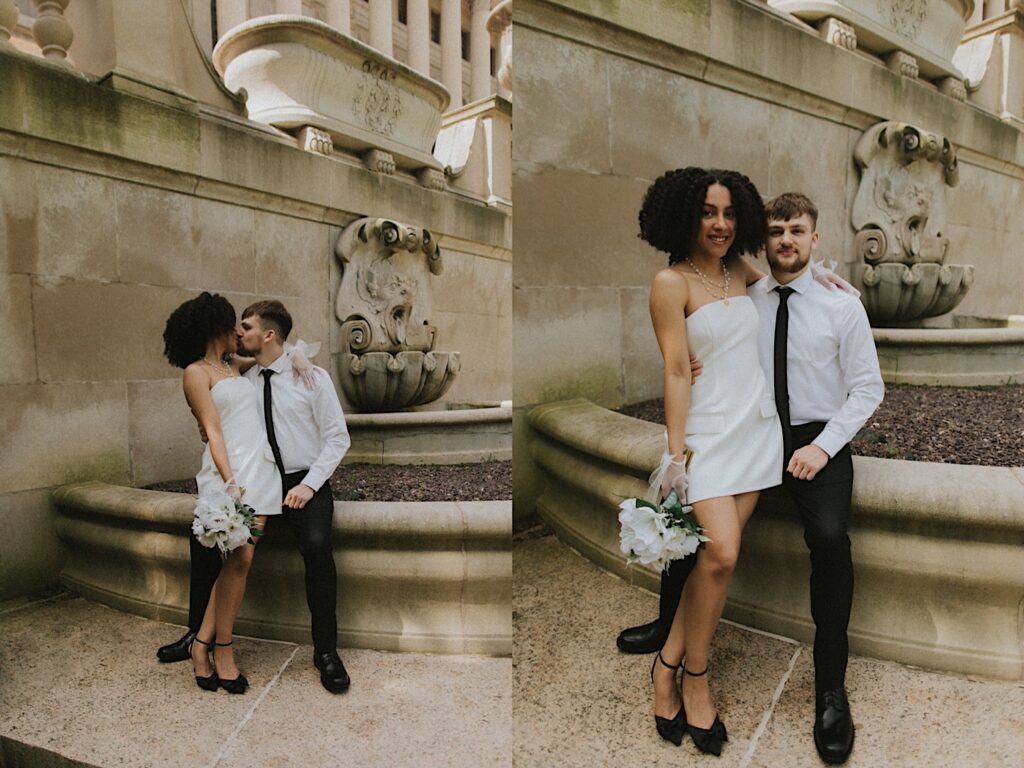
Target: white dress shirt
{"type": "Point", "coordinates": [832, 370]}
{"type": "Point", "coordinates": [308, 423]}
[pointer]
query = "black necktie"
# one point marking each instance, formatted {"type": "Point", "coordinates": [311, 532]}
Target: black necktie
{"type": "Point", "coordinates": [781, 384]}
{"type": "Point", "coordinates": [268, 417]}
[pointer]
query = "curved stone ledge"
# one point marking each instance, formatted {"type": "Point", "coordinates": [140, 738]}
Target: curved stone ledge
{"type": "Point", "coordinates": [937, 548]}
{"type": "Point", "coordinates": [431, 577]}
{"type": "Point", "coordinates": [431, 437]}
{"type": "Point", "coordinates": [964, 357]}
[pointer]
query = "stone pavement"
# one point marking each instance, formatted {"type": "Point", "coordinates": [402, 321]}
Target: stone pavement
{"type": "Point", "coordinates": [80, 686]}
{"type": "Point", "coordinates": [580, 702]}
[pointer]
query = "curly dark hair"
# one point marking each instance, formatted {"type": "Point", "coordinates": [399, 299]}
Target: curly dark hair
{"type": "Point", "coordinates": [194, 324]}
{"type": "Point", "coordinates": [671, 212]}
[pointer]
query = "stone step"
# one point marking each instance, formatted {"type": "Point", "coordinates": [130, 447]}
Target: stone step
{"type": "Point", "coordinates": [80, 685]}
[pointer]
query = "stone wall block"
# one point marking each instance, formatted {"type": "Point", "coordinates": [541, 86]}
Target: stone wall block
{"type": "Point", "coordinates": [472, 283]}
{"type": "Point", "coordinates": [565, 86]}
{"type": "Point", "coordinates": [584, 244]}
{"type": "Point", "coordinates": [63, 433]}
{"type": "Point", "coordinates": [19, 215]}
{"type": "Point", "coordinates": [77, 234]}
{"type": "Point", "coordinates": [76, 342]}
{"type": "Point", "coordinates": [659, 122]}
{"type": "Point", "coordinates": [567, 342]}
{"type": "Point", "coordinates": [165, 443]}
{"type": "Point", "coordinates": [223, 235]}
{"type": "Point", "coordinates": [30, 554]}
{"type": "Point", "coordinates": [17, 342]}
{"type": "Point", "coordinates": [292, 256]}
{"type": "Point", "coordinates": [817, 167]}
{"type": "Point", "coordinates": [484, 344]}
{"type": "Point", "coordinates": [155, 238]}
{"type": "Point", "coordinates": [642, 367]}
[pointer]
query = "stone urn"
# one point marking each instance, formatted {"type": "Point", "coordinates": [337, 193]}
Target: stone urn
{"type": "Point", "coordinates": [899, 215]}
{"type": "Point", "coordinates": [387, 360]}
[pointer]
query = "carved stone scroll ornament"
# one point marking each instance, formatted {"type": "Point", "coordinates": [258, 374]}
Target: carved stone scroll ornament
{"type": "Point", "coordinates": [899, 214]}
{"type": "Point", "coordinates": [387, 359]}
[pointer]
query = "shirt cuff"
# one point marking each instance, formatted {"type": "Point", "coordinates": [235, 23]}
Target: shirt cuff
{"type": "Point", "coordinates": [314, 480]}
{"type": "Point", "coordinates": [829, 442]}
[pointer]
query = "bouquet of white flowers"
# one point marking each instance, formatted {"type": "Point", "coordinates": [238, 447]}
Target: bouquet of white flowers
{"type": "Point", "coordinates": [223, 522]}
{"type": "Point", "coordinates": [658, 533]}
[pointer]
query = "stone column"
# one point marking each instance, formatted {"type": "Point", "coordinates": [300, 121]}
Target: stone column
{"type": "Point", "coordinates": [380, 26]}
{"type": "Point", "coordinates": [51, 30]}
{"type": "Point", "coordinates": [480, 51]}
{"type": "Point", "coordinates": [451, 50]}
{"type": "Point", "coordinates": [418, 27]}
{"type": "Point", "coordinates": [499, 23]}
{"type": "Point", "coordinates": [230, 13]}
{"type": "Point", "coordinates": [339, 15]}
{"type": "Point", "coordinates": [293, 7]}
{"type": "Point", "coordinates": [8, 19]}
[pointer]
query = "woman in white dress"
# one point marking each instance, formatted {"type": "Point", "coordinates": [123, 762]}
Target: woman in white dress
{"type": "Point", "coordinates": [704, 220]}
{"type": "Point", "coordinates": [201, 338]}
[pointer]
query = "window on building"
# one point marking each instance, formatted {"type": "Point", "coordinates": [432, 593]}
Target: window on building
{"type": "Point", "coordinates": [494, 62]}
{"type": "Point", "coordinates": [435, 27]}
{"type": "Point", "coordinates": [403, 11]}
{"type": "Point", "coordinates": [465, 46]}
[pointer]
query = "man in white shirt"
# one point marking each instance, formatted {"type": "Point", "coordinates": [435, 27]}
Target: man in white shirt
{"type": "Point", "coordinates": [833, 382]}
{"type": "Point", "coordinates": [307, 434]}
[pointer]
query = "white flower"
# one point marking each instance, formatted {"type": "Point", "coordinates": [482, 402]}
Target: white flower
{"type": "Point", "coordinates": [642, 533]}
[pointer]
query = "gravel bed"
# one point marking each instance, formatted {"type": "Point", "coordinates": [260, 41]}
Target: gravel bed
{"type": "Point", "coordinates": [950, 425]}
{"type": "Point", "coordinates": [484, 481]}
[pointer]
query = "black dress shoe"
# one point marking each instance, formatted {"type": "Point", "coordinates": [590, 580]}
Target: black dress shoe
{"type": "Point", "coordinates": [833, 726]}
{"type": "Point", "coordinates": [179, 650]}
{"type": "Point", "coordinates": [332, 672]}
{"type": "Point", "coordinates": [647, 638]}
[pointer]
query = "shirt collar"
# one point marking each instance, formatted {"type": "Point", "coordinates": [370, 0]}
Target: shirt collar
{"type": "Point", "coordinates": [800, 284]}
{"type": "Point", "coordinates": [281, 365]}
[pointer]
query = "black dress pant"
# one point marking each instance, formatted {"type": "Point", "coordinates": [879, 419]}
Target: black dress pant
{"type": "Point", "coordinates": [311, 527]}
{"type": "Point", "coordinates": [824, 507]}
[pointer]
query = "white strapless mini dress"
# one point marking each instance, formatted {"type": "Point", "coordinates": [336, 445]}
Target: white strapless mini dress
{"type": "Point", "coordinates": [732, 426]}
{"type": "Point", "coordinates": [249, 453]}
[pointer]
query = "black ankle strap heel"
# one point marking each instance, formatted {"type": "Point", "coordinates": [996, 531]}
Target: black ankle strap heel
{"type": "Point", "coordinates": [670, 728]}
{"type": "Point", "coordinates": [211, 682]}
{"type": "Point", "coordinates": [239, 684]}
{"type": "Point", "coordinates": [707, 740]}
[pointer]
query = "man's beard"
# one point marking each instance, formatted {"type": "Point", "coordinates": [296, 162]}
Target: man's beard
{"type": "Point", "coordinates": [243, 352]}
{"type": "Point", "coordinates": [791, 267]}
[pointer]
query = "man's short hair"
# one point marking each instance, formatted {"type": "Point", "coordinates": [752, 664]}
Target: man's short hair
{"type": "Point", "coordinates": [273, 314]}
{"type": "Point", "coordinates": [788, 206]}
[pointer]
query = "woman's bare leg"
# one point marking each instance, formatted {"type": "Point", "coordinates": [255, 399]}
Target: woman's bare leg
{"type": "Point", "coordinates": [201, 650]}
{"type": "Point", "coordinates": [229, 591]}
{"type": "Point", "coordinates": [703, 599]}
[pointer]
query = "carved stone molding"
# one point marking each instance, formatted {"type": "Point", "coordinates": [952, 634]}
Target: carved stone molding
{"type": "Point", "coordinates": [953, 87]}
{"type": "Point", "coordinates": [314, 140]}
{"type": "Point", "coordinates": [899, 214]}
{"type": "Point", "coordinates": [387, 359]}
{"type": "Point", "coordinates": [298, 72]}
{"type": "Point", "coordinates": [379, 161]}
{"type": "Point", "coordinates": [838, 33]}
{"type": "Point", "coordinates": [902, 64]}
{"type": "Point", "coordinates": [432, 179]}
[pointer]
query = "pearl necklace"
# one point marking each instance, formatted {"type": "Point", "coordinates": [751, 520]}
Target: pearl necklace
{"type": "Point", "coordinates": [709, 284]}
{"type": "Point", "coordinates": [222, 368]}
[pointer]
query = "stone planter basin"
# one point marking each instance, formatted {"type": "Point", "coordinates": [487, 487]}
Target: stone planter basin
{"type": "Point", "coordinates": [928, 30]}
{"type": "Point", "coordinates": [423, 577]}
{"type": "Point", "coordinates": [938, 549]}
{"type": "Point", "coordinates": [298, 71]}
